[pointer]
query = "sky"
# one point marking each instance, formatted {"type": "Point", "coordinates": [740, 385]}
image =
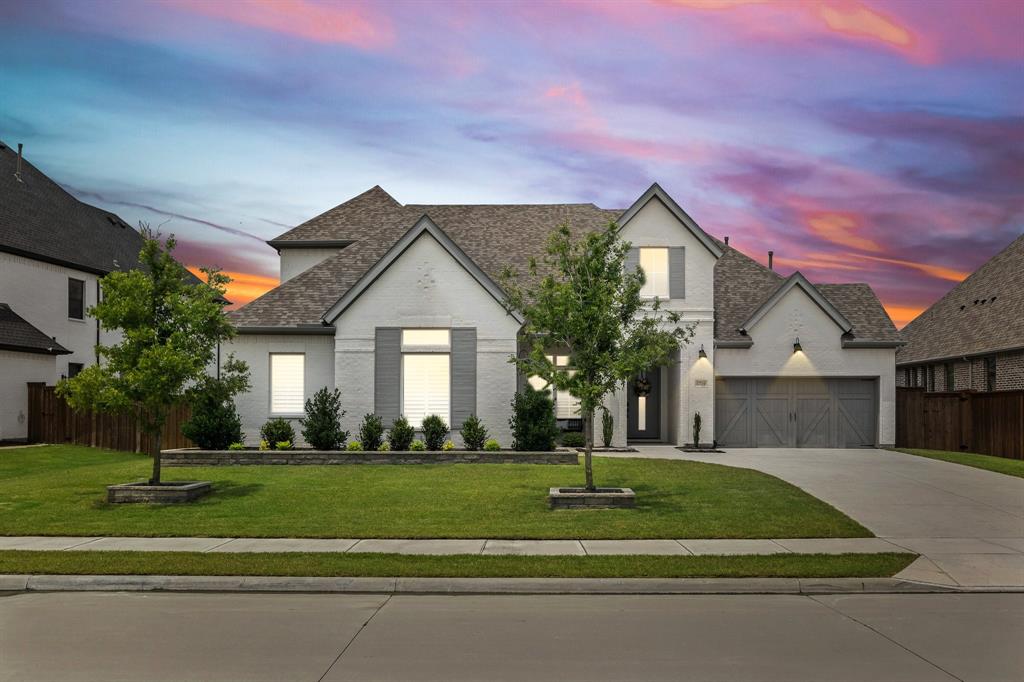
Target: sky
{"type": "Point", "coordinates": [860, 140]}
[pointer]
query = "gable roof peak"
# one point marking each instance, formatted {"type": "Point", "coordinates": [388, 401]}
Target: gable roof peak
{"type": "Point", "coordinates": [656, 192]}
{"type": "Point", "coordinates": [423, 225]}
{"type": "Point", "coordinates": [798, 280]}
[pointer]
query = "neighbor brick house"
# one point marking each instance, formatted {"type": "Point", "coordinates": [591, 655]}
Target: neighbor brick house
{"type": "Point", "coordinates": [973, 337]}
{"type": "Point", "coordinates": [398, 306]}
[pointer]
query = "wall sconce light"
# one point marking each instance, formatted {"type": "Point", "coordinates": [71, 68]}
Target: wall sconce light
{"type": "Point", "coordinates": [796, 345]}
{"type": "Point", "coordinates": [701, 353]}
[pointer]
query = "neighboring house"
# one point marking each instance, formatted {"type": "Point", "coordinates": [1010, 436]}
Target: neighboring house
{"type": "Point", "coordinates": [973, 337]}
{"type": "Point", "coordinates": [398, 307]}
{"type": "Point", "coordinates": [53, 251]}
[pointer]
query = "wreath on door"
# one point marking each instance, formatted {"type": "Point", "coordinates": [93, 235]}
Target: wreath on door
{"type": "Point", "coordinates": [642, 386]}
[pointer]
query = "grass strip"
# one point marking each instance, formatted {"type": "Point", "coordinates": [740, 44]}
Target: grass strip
{"type": "Point", "coordinates": [1000, 465]}
{"type": "Point", "coordinates": [462, 566]}
{"type": "Point", "coordinates": [61, 490]}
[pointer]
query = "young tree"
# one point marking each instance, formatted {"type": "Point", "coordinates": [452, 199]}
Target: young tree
{"type": "Point", "coordinates": [170, 330]}
{"type": "Point", "coordinates": [579, 298]}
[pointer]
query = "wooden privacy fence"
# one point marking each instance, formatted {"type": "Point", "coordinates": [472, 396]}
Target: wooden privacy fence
{"type": "Point", "coordinates": [989, 423]}
{"type": "Point", "coordinates": [51, 420]}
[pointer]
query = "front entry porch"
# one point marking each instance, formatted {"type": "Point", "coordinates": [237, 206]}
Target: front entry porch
{"type": "Point", "coordinates": [648, 419]}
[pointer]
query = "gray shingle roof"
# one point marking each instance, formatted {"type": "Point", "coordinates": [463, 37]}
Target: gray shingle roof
{"type": "Point", "coordinates": [18, 335]}
{"type": "Point", "coordinates": [496, 235]}
{"type": "Point", "coordinates": [982, 314]}
{"type": "Point", "coordinates": [39, 219]}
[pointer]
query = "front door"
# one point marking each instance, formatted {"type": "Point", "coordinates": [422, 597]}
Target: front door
{"type": "Point", "coordinates": [643, 411]}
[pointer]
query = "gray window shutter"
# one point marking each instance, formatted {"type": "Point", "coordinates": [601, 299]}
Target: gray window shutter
{"type": "Point", "coordinates": [387, 373]}
{"type": "Point", "coordinates": [677, 272]}
{"type": "Point", "coordinates": [632, 260]}
{"type": "Point", "coordinates": [463, 376]}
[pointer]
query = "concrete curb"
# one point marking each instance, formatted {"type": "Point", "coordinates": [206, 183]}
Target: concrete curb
{"type": "Point", "coordinates": [345, 585]}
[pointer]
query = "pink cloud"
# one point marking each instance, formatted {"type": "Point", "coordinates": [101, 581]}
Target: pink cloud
{"type": "Point", "coordinates": [347, 24]}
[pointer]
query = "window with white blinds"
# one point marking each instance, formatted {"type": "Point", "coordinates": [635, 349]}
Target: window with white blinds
{"type": "Point", "coordinates": [287, 383]}
{"type": "Point", "coordinates": [426, 386]}
{"type": "Point", "coordinates": [655, 264]}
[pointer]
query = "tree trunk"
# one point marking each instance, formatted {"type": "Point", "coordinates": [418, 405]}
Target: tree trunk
{"type": "Point", "coordinates": [157, 440]}
{"type": "Point", "coordinates": [588, 439]}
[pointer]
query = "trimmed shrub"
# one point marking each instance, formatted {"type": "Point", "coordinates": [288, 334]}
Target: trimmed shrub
{"type": "Point", "coordinates": [354, 446]}
{"type": "Point", "coordinates": [435, 430]}
{"type": "Point", "coordinates": [492, 445]}
{"type": "Point", "coordinates": [277, 431]}
{"type": "Point", "coordinates": [283, 445]}
{"type": "Point", "coordinates": [607, 427]}
{"type": "Point", "coordinates": [371, 432]}
{"type": "Point", "coordinates": [322, 425]}
{"type": "Point", "coordinates": [418, 445]}
{"type": "Point", "coordinates": [533, 421]}
{"type": "Point", "coordinates": [448, 445]}
{"type": "Point", "coordinates": [384, 447]}
{"type": "Point", "coordinates": [401, 434]}
{"type": "Point", "coordinates": [215, 424]}
{"type": "Point", "coordinates": [473, 432]}
{"type": "Point", "coordinates": [236, 446]}
{"type": "Point", "coordinates": [573, 439]}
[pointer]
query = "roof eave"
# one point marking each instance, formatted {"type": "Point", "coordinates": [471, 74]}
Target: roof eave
{"type": "Point", "coordinates": [309, 243]}
{"type": "Point", "coordinates": [734, 343]}
{"type": "Point", "coordinates": [302, 329]}
{"type": "Point", "coordinates": [57, 349]}
{"type": "Point", "coordinates": [872, 343]}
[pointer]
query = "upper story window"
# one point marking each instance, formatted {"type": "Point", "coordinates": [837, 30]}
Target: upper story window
{"type": "Point", "coordinates": [654, 261]}
{"type": "Point", "coordinates": [76, 299]}
{"type": "Point", "coordinates": [287, 383]}
{"type": "Point", "coordinates": [426, 374]}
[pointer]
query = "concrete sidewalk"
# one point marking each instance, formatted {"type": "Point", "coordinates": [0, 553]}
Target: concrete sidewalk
{"type": "Point", "coordinates": [951, 562]}
{"type": "Point", "coordinates": [475, 546]}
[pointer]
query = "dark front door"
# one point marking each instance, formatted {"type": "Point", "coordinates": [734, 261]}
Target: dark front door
{"type": "Point", "coordinates": [643, 411]}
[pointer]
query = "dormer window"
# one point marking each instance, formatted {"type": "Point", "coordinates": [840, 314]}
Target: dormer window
{"type": "Point", "coordinates": [654, 262]}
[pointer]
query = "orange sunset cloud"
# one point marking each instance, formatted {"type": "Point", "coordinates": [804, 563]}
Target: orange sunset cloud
{"type": "Point", "coordinates": [243, 287]}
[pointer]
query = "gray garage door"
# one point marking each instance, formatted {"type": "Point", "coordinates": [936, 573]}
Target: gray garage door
{"type": "Point", "coordinates": [803, 413]}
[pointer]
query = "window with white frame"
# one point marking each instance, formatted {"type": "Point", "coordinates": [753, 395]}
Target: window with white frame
{"type": "Point", "coordinates": [567, 406]}
{"type": "Point", "coordinates": [654, 261]}
{"type": "Point", "coordinates": [426, 374]}
{"type": "Point", "coordinates": [287, 383]}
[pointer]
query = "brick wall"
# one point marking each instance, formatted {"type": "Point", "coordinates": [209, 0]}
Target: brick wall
{"type": "Point", "coordinates": [968, 375]}
{"type": "Point", "coordinates": [1010, 371]}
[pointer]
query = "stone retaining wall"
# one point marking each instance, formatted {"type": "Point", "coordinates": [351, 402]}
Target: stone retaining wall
{"type": "Point", "coordinates": [192, 457]}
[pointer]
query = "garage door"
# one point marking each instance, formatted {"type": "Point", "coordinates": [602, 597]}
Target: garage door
{"type": "Point", "coordinates": [803, 413]}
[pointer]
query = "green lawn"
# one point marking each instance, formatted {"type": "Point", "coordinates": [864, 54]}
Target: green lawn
{"type": "Point", "coordinates": [398, 565]}
{"type": "Point", "coordinates": [59, 490]}
{"type": "Point", "coordinates": [1001, 465]}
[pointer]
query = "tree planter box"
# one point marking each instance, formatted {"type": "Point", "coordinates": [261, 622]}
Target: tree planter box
{"type": "Point", "coordinates": [167, 493]}
{"type": "Point", "coordinates": [192, 457]}
{"type": "Point", "coordinates": [602, 498]}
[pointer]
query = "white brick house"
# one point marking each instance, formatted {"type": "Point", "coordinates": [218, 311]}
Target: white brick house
{"type": "Point", "coordinates": [54, 250]}
{"type": "Point", "coordinates": [397, 306]}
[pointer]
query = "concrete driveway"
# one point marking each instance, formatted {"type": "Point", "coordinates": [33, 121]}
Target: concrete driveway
{"type": "Point", "coordinates": [968, 522]}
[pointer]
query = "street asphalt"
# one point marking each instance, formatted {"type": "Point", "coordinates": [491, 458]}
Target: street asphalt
{"type": "Point", "coordinates": [161, 636]}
